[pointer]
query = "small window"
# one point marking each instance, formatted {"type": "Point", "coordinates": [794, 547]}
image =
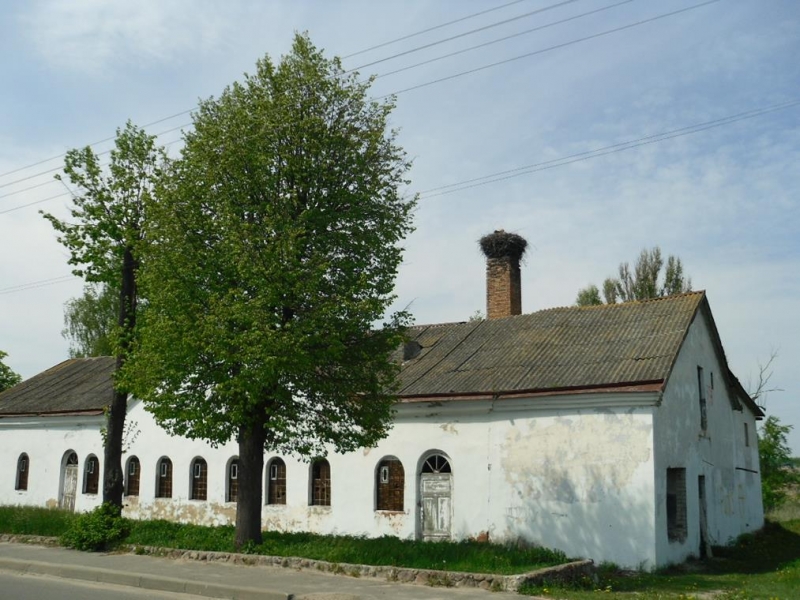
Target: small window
{"type": "Point", "coordinates": [199, 489]}
{"type": "Point", "coordinates": [320, 483]}
{"type": "Point", "coordinates": [701, 388]}
{"type": "Point", "coordinates": [233, 481]}
{"type": "Point", "coordinates": [91, 475]}
{"type": "Point", "coordinates": [676, 505]}
{"type": "Point", "coordinates": [390, 485]}
{"type": "Point", "coordinates": [23, 466]}
{"type": "Point", "coordinates": [276, 485]}
{"type": "Point", "coordinates": [746, 436]}
{"type": "Point", "coordinates": [132, 480]}
{"type": "Point", "coordinates": [164, 479]}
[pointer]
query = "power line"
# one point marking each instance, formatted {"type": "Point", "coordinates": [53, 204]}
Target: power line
{"type": "Point", "coordinates": [602, 151]}
{"type": "Point", "coordinates": [410, 35]}
{"type": "Point", "coordinates": [503, 39]}
{"type": "Point", "coordinates": [187, 111]}
{"type": "Point", "coordinates": [37, 284]}
{"type": "Point", "coordinates": [548, 49]}
{"type": "Point", "coordinates": [464, 34]}
{"type": "Point", "coordinates": [532, 168]}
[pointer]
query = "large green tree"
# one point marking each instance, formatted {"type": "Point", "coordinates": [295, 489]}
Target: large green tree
{"type": "Point", "coordinates": [8, 378]}
{"type": "Point", "coordinates": [90, 320]}
{"type": "Point", "coordinates": [643, 282]}
{"type": "Point", "coordinates": [104, 237]}
{"type": "Point", "coordinates": [778, 474]}
{"type": "Point", "coordinates": [272, 254]}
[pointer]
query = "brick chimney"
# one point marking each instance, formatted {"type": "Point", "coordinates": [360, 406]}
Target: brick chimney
{"type": "Point", "coordinates": [503, 252]}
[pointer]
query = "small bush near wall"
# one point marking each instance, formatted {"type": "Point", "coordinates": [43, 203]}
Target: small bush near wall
{"type": "Point", "coordinates": [96, 530]}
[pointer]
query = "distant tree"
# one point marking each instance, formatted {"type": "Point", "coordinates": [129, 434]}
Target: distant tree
{"type": "Point", "coordinates": [778, 474]}
{"type": "Point", "coordinates": [8, 378]}
{"type": "Point", "coordinates": [644, 282]}
{"type": "Point", "coordinates": [273, 252]}
{"type": "Point", "coordinates": [90, 320]}
{"type": "Point", "coordinates": [104, 237]}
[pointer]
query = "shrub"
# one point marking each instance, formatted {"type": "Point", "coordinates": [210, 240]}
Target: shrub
{"type": "Point", "coordinates": [96, 530]}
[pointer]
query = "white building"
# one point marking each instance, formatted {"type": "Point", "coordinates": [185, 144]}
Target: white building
{"type": "Point", "coordinates": [616, 433]}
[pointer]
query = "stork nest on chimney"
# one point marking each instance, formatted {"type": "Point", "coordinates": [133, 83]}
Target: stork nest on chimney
{"type": "Point", "coordinates": [501, 244]}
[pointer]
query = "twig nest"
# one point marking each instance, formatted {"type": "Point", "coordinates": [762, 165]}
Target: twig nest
{"type": "Point", "coordinates": [501, 244]}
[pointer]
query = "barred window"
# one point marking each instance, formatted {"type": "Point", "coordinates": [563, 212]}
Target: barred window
{"type": "Point", "coordinates": [276, 482]}
{"type": "Point", "coordinates": [91, 475]}
{"type": "Point", "coordinates": [320, 483]}
{"type": "Point", "coordinates": [676, 505]}
{"type": "Point", "coordinates": [199, 480]}
{"type": "Point", "coordinates": [164, 478]}
{"type": "Point", "coordinates": [390, 485]}
{"type": "Point", "coordinates": [132, 477]}
{"type": "Point", "coordinates": [233, 481]}
{"type": "Point", "coordinates": [23, 466]}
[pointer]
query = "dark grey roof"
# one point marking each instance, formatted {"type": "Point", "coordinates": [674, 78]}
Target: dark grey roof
{"type": "Point", "coordinates": [556, 349]}
{"type": "Point", "coordinates": [78, 385]}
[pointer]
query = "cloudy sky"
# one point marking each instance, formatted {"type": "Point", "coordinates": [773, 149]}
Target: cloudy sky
{"type": "Point", "coordinates": [593, 128]}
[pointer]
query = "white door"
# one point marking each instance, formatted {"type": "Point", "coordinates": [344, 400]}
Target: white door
{"type": "Point", "coordinates": [436, 492]}
{"type": "Point", "coordinates": [70, 487]}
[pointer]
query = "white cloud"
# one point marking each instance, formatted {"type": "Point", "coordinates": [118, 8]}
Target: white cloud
{"type": "Point", "coordinates": [97, 36]}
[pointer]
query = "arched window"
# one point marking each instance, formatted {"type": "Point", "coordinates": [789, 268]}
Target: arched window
{"type": "Point", "coordinates": [233, 481]}
{"type": "Point", "coordinates": [132, 472]}
{"type": "Point", "coordinates": [199, 480]}
{"type": "Point", "coordinates": [320, 483]}
{"type": "Point", "coordinates": [164, 478]}
{"type": "Point", "coordinates": [91, 475]}
{"type": "Point", "coordinates": [389, 485]}
{"type": "Point", "coordinates": [23, 465]}
{"type": "Point", "coordinates": [276, 482]}
{"type": "Point", "coordinates": [436, 463]}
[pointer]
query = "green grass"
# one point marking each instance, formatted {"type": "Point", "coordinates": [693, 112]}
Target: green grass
{"type": "Point", "coordinates": [467, 556]}
{"type": "Point", "coordinates": [765, 565]}
{"type": "Point", "coordinates": [29, 520]}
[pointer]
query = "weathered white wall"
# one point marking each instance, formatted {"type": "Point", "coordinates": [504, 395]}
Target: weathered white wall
{"type": "Point", "coordinates": [46, 441]}
{"type": "Point", "coordinates": [733, 484]}
{"type": "Point", "coordinates": [551, 471]}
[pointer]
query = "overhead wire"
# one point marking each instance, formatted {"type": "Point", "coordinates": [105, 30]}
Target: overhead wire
{"type": "Point", "coordinates": [543, 165]}
{"type": "Point", "coordinates": [189, 110]}
{"type": "Point", "coordinates": [425, 84]}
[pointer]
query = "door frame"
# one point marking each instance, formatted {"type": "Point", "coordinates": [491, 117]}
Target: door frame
{"type": "Point", "coordinates": [434, 476]}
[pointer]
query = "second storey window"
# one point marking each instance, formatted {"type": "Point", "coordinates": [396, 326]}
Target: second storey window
{"type": "Point", "coordinates": [701, 390]}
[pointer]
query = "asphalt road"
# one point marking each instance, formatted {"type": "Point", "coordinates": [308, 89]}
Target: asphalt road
{"type": "Point", "coordinates": [42, 587]}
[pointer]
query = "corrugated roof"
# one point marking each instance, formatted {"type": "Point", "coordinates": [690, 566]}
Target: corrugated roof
{"type": "Point", "coordinates": [78, 385]}
{"type": "Point", "coordinates": [554, 349]}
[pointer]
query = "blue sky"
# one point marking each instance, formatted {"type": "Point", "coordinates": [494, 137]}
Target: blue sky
{"type": "Point", "coordinates": [726, 199]}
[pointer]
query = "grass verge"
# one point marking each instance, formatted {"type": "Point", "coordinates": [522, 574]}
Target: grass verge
{"type": "Point", "coordinates": [467, 556]}
{"type": "Point", "coordinates": [765, 565]}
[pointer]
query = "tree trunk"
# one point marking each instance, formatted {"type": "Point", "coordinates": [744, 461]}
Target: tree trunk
{"type": "Point", "coordinates": [113, 477]}
{"type": "Point", "coordinates": [251, 465]}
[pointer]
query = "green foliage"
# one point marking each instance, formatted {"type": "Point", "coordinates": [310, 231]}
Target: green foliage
{"type": "Point", "coordinates": [272, 251]}
{"type": "Point", "coordinates": [90, 320]}
{"type": "Point", "coordinates": [96, 530]}
{"type": "Point", "coordinates": [778, 475]}
{"type": "Point", "coordinates": [8, 378]}
{"type": "Point", "coordinates": [643, 282]}
{"type": "Point", "coordinates": [589, 296]}
{"type": "Point", "coordinates": [34, 520]}
{"type": "Point", "coordinates": [467, 556]}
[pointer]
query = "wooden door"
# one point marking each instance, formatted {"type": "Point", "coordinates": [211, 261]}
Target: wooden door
{"type": "Point", "coordinates": [70, 487]}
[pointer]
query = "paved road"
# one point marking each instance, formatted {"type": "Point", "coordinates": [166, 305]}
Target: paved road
{"type": "Point", "coordinates": [218, 580]}
{"type": "Point", "coordinates": [36, 587]}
